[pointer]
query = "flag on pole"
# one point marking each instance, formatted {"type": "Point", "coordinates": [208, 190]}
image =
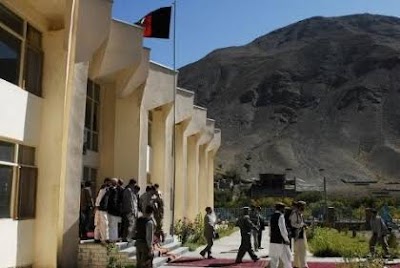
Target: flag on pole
{"type": "Point", "coordinates": [156, 23]}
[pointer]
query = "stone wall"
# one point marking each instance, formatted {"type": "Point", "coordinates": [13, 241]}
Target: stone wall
{"type": "Point", "coordinates": [93, 255]}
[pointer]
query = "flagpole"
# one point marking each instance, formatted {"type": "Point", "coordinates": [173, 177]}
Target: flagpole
{"type": "Point", "coordinates": [174, 121]}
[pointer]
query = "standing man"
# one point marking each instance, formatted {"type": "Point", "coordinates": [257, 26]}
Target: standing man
{"type": "Point", "coordinates": [246, 226]}
{"type": "Point", "coordinates": [262, 228]}
{"type": "Point", "coordinates": [379, 233]}
{"type": "Point", "coordinates": [144, 239]}
{"type": "Point", "coordinates": [158, 204]}
{"type": "Point", "coordinates": [114, 209]}
{"type": "Point", "coordinates": [101, 232]}
{"type": "Point", "coordinates": [299, 235]}
{"type": "Point", "coordinates": [255, 219]}
{"type": "Point", "coordinates": [209, 231]}
{"type": "Point", "coordinates": [129, 210]}
{"type": "Point", "coordinates": [279, 249]}
{"type": "Point", "coordinates": [86, 210]}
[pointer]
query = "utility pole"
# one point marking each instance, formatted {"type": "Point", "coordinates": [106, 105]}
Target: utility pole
{"type": "Point", "coordinates": [325, 196]}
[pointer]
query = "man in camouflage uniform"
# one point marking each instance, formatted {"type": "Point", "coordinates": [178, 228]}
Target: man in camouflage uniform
{"type": "Point", "coordinates": [246, 227]}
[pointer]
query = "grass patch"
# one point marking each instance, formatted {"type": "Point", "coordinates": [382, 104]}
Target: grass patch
{"type": "Point", "coordinates": [328, 242]}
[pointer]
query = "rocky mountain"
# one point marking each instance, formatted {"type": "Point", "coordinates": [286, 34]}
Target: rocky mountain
{"type": "Point", "coordinates": [323, 93]}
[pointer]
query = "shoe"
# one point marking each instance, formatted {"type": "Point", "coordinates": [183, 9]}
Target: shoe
{"type": "Point", "coordinates": [256, 259]}
{"type": "Point", "coordinates": [210, 257]}
{"type": "Point", "coordinates": [237, 261]}
{"type": "Point", "coordinates": [97, 241]}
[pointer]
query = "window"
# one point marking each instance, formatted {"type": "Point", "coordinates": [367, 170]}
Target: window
{"type": "Point", "coordinates": [17, 171]}
{"type": "Point", "coordinates": [90, 174]}
{"type": "Point", "coordinates": [20, 41]}
{"type": "Point", "coordinates": [91, 135]}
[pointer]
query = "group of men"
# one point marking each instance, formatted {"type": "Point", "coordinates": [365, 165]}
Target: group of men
{"type": "Point", "coordinates": [283, 228]}
{"type": "Point", "coordinates": [117, 209]}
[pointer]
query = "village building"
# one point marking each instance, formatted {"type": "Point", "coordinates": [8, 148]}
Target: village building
{"type": "Point", "coordinates": [80, 100]}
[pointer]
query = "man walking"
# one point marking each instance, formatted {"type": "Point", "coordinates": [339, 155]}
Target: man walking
{"type": "Point", "coordinates": [379, 233]}
{"type": "Point", "coordinates": [279, 249]}
{"type": "Point", "coordinates": [101, 232]}
{"type": "Point", "coordinates": [209, 231]}
{"type": "Point", "coordinates": [129, 210]}
{"type": "Point", "coordinates": [299, 235]}
{"type": "Point", "coordinates": [144, 239]}
{"type": "Point", "coordinates": [246, 226]}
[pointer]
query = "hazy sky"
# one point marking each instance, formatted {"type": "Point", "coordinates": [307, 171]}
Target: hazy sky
{"type": "Point", "coordinates": [205, 25]}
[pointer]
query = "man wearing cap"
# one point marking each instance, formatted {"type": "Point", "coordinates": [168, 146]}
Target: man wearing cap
{"type": "Point", "coordinates": [279, 249]}
{"type": "Point", "coordinates": [300, 241]}
{"type": "Point", "coordinates": [246, 226]}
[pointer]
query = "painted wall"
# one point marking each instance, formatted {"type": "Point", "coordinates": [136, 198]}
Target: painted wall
{"type": "Point", "coordinates": [20, 114]}
{"type": "Point", "coordinates": [17, 242]}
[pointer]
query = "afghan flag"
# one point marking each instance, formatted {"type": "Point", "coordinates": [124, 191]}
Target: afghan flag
{"type": "Point", "coordinates": [157, 23]}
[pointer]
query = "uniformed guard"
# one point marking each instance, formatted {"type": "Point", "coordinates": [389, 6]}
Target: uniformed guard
{"type": "Point", "coordinates": [144, 239]}
{"type": "Point", "coordinates": [246, 227]}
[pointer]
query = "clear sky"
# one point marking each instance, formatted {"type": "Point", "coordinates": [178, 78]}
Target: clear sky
{"type": "Point", "coordinates": [205, 25]}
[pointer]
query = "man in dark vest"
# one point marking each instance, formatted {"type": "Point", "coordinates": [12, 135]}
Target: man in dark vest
{"type": "Point", "coordinates": [262, 227]}
{"type": "Point", "coordinates": [279, 249]}
{"type": "Point", "coordinates": [246, 227]}
{"type": "Point", "coordinates": [144, 239]}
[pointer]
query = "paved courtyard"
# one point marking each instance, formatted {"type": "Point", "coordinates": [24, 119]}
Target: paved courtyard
{"type": "Point", "coordinates": [226, 248]}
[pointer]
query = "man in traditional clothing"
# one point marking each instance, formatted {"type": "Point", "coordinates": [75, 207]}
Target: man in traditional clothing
{"type": "Point", "coordinates": [144, 239]}
{"type": "Point", "coordinates": [246, 226]}
{"type": "Point", "coordinates": [101, 232]}
{"type": "Point", "coordinates": [86, 210]}
{"type": "Point", "coordinates": [209, 231]}
{"type": "Point", "coordinates": [379, 233]}
{"type": "Point", "coordinates": [299, 235]}
{"type": "Point", "coordinates": [279, 249]}
{"type": "Point", "coordinates": [262, 227]}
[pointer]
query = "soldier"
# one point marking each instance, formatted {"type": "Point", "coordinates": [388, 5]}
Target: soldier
{"type": "Point", "coordinates": [379, 233]}
{"type": "Point", "coordinates": [246, 226]}
{"type": "Point", "coordinates": [144, 239]}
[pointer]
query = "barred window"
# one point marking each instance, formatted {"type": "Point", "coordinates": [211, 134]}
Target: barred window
{"type": "Point", "coordinates": [92, 116]}
{"type": "Point", "coordinates": [18, 181]}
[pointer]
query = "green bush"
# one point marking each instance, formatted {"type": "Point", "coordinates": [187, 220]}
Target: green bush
{"type": "Point", "coordinates": [328, 242]}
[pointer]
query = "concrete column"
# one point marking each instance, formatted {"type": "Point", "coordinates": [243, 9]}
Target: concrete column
{"type": "Point", "coordinates": [130, 138]}
{"type": "Point", "coordinates": [192, 176]}
{"type": "Point", "coordinates": [203, 175]}
{"type": "Point", "coordinates": [107, 133]}
{"type": "Point", "coordinates": [180, 171]}
{"type": "Point", "coordinates": [210, 179]}
{"type": "Point", "coordinates": [161, 140]}
{"type": "Point", "coordinates": [59, 154]}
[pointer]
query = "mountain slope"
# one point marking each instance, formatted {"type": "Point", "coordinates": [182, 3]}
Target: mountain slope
{"type": "Point", "coordinates": [320, 93]}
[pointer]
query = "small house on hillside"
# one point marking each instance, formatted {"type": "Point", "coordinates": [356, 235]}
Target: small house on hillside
{"type": "Point", "coordinates": [273, 185]}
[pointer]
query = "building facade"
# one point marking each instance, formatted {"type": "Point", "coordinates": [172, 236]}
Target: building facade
{"type": "Point", "coordinates": [80, 100]}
